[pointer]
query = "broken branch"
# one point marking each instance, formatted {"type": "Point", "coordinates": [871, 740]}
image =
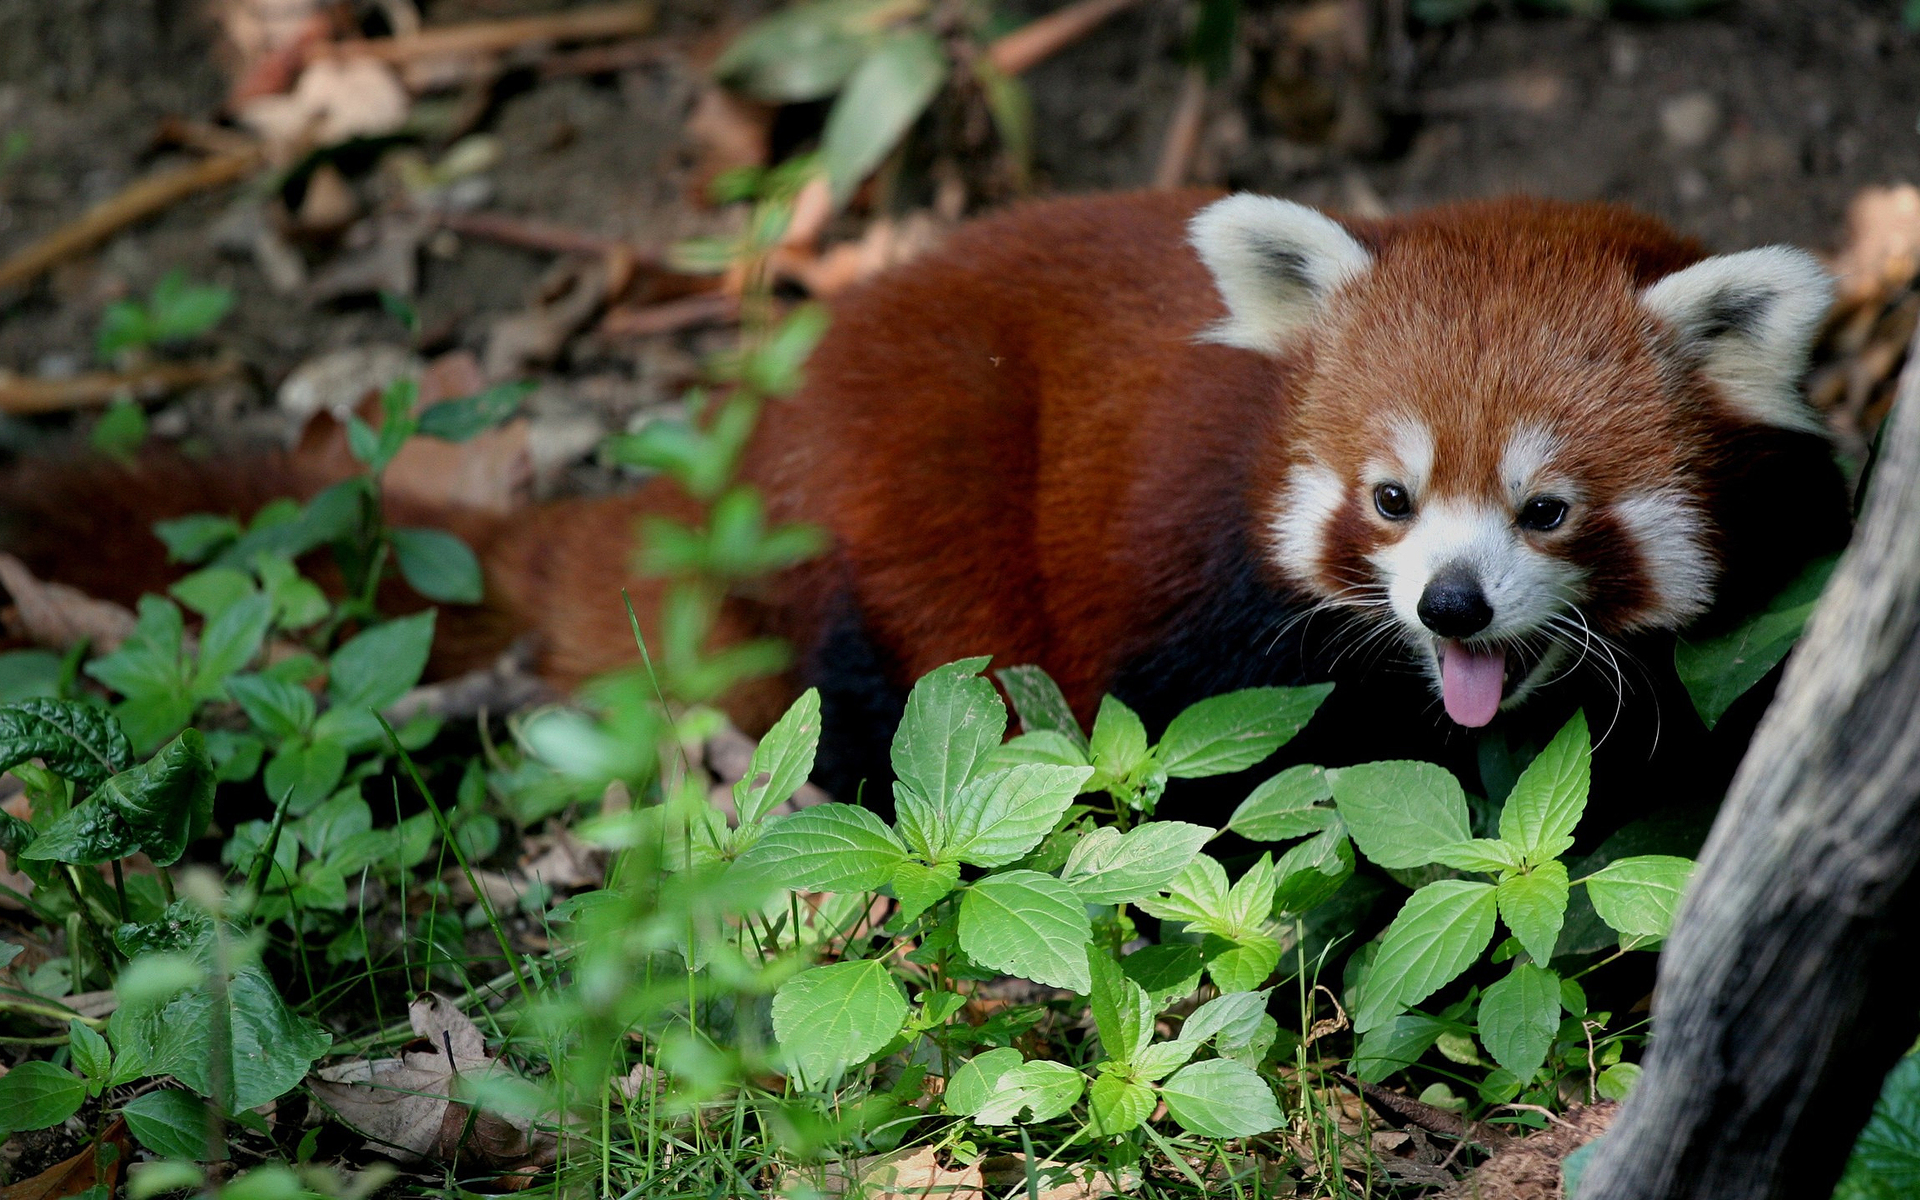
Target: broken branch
{"type": "Point", "coordinates": [1040, 39]}
{"type": "Point", "coordinates": [24, 396]}
{"type": "Point", "coordinates": [497, 37]}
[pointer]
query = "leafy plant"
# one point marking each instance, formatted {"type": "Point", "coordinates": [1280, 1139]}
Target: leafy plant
{"type": "Point", "coordinates": [175, 311]}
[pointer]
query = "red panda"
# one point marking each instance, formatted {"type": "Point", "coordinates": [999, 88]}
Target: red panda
{"type": "Point", "coordinates": [1164, 445]}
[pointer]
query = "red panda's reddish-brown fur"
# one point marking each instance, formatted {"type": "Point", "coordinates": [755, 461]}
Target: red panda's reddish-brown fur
{"type": "Point", "coordinates": [1021, 446]}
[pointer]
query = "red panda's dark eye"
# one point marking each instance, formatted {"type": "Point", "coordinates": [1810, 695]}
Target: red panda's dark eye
{"type": "Point", "coordinates": [1393, 502]}
{"type": "Point", "coordinates": [1543, 513]}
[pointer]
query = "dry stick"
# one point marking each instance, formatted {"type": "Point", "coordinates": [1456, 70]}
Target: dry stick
{"type": "Point", "coordinates": [1785, 990]}
{"type": "Point", "coordinates": [670, 316]}
{"type": "Point", "coordinates": [1183, 133]}
{"type": "Point", "coordinates": [537, 235]}
{"type": "Point", "coordinates": [22, 396]}
{"type": "Point", "coordinates": [1039, 39]}
{"type": "Point", "coordinates": [135, 203]}
{"type": "Point", "coordinates": [494, 37]}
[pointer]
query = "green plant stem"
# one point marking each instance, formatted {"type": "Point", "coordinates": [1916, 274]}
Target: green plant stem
{"type": "Point", "coordinates": [120, 891]}
{"type": "Point", "coordinates": [166, 884]}
{"type": "Point", "coordinates": [30, 1009]}
{"type": "Point", "coordinates": [109, 953]}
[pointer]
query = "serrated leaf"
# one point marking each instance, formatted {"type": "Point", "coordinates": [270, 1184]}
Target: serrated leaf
{"type": "Point", "coordinates": [1479, 854]}
{"type": "Point", "coordinates": [1119, 740]}
{"type": "Point", "coordinates": [1221, 1098]}
{"type": "Point", "coordinates": [1232, 732]}
{"type": "Point", "coordinates": [1250, 900]}
{"type": "Point", "coordinates": [90, 1053]}
{"type": "Point", "coordinates": [1108, 867]}
{"type": "Point", "coordinates": [919, 887]}
{"type": "Point", "coordinates": [377, 667]}
{"type": "Point", "coordinates": [1197, 895]}
{"type": "Point", "coordinates": [173, 1124]}
{"type": "Point", "coordinates": [1040, 703]}
{"type": "Point", "coordinates": [1122, 1012]}
{"type": "Point", "coordinates": [1548, 798]}
{"type": "Point", "coordinates": [999, 816]}
{"type": "Point", "coordinates": [81, 742]}
{"type": "Point", "coordinates": [1617, 1080]}
{"type": "Point", "coordinates": [1639, 896]}
{"type": "Point", "coordinates": [1720, 670]}
{"type": "Point", "coordinates": [156, 807]}
{"type": "Point", "coordinates": [1399, 813]}
{"type": "Point", "coordinates": [952, 723]}
{"type": "Point", "coordinates": [1161, 1059]}
{"type": "Point", "coordinates": [1116, 1105]}
{"type": "Point", "coordinates": [1885, 1164]}
{"type": "Point", "coordinates": [1230, 1019]}
{"type": "Point", "coordinates": [1041, 1089]}
{"type": "Point", "coordinates": [1168, 971]}
{"type": "Point", "coordinates": [304, 773]}
{"type": "Point", "coordinates": [1441, 931]}
{"type": "Point", "coordinates": [782, 761]}
{"type": "Point", "coordinates": [279, 708]}
{"type": "Point", "coordinates": [229, 642]}
{"type": "Point", "coordinates": [1395, 1045]}
{"type": "Point", "coordinates": [883, 97]}
{"type": "Point", "coordinates": [1041, 746]}
{"type": "Point", "coordinates": [1519, 1016]}
{"type": "Point", "coordinates": [830, 1018]}
{"type": "Point", "coordinates": [437, 564]}
{"type": "Point", "coordinates": [192, 539]}
{"type": "Point", "coordinates": [1286, 806]}
{"type": "Point", "coordinates": [35, 1095]}
{"type": "Point", "coordinates": [826, 848]}
{"type": "Point", "coordinates": [1534, 906]}
{"type": "Point", "coordinates": [1030, 925]}
{"type": "Point", "coordinates": [972, 1087]}
{"type": "Point", "coordinates": [1242, 962]}
{"type": "Point", "coordinates": [1312, 871]}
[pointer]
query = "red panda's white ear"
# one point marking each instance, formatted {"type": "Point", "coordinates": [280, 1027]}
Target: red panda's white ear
{"type": "Point", "coordinates": [1747, 321]}
{"type": "Point", "coordinates": [1275, 263]}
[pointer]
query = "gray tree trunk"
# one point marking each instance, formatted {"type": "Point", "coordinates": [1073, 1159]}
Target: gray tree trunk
{"type": "Point", "coordinates": [1787, 989]}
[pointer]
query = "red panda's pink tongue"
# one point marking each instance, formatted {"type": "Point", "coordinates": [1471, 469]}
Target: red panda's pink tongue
{"type": "Point", "coordinates": [1471, 682]}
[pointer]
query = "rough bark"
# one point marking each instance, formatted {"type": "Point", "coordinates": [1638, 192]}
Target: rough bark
{"type": "Point", "coordinates": [1785, 993]}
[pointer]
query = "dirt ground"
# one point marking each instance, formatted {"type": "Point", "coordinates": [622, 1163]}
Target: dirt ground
{"type": "Point", "coordinates": [1754, 122]}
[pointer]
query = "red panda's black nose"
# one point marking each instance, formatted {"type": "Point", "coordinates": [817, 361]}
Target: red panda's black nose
{"type": "Point", "coordinates": [1453, 606]}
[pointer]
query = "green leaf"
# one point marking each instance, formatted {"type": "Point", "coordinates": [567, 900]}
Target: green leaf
{"type": "Point", "coordinates": [1116, 1105]}
{"type": "Point", "coordinates": [1395, 1045]}
{"type": "Point", "coordinates": [1167, 971]}
{"type": "Point", "coordinates": [29, 675]}
{"type": "Point", "coordinates": [1242, 962]}
{"type": "Point", "coordinates": [775, 367]}
{"type": "Point", "coordinates": [973, 1086]}
{"type": "Point", "coordinates": [1534, 906]}
{"type": "Point", "coordinates": [1440, 932]}
{"type": "Point", "coordinates": [305, 771]}
{"type": "Point", "coordinates": [1108, 867]}
{"type": "Point", "coordinates": [804, 52]}
{"type": "Point", "coordinates": [280, 709]}
{"type": "Point", "coordinates": [470, 416]}
{"type": "Point", "coordinates": [883, 97]}
{"type": "Point", "coordinates": [1250, 901]}
{"type": "Point", "coordinates": [781, 762]}
{"type": "Point", "coordinates": [120, 431]}
{"type": "Point", "coordinates": [830, 1018]}
{"type": "Point", "coordinates": [1885, 1164]}
{"type": "Point", "coordinates": [1041, 705]}
{"type": "Point", "coordinates": [1547, 800]}
{"type": "Point", "coordinates": [181, 309]}
{"type": "Point", "coordinates": [826, 848]}
{"type": "Point", "coordinates": [1285, 806]}
{"type": "Point", "coordinates": [270, 1048]}
{"type": "Point", "coordinates": [953, 721]}
{"type": "Point", "coordinates": [1399, 813]}
{"type": "Point", "coordinates": [1638, 896]}
{"type": "Point", "coordinates": [1030, 925]}
{"type": "Point", "coordinates": [229, 642]}
{"type": "Point", "coordinates": [378, 666]}
{"type": "Point", "coordinates": [1043, 1089]}
{"type": "Point", "coordinates": [998, 817]}
{"type": "Point", "coordinates": [195, 538]}
{"type": "Point", "coordinates": [212, 590]}
{"type": "Point", "coordinates": [1232, 732]}
{"type": "Point", "coordinates": [1721, 670]}
{"type": "Point", "coordinates": [437, 564]}
{"type": "Point", "coordinates": [1198, 895]}
{"type": "Point", "coordinates": [1042, 747]}
{"type": "Point", "coordinates": [35, 1095]}
{"type": "Point", "coordinates": [1617, 1080]}
{"type": "Point", "coordinates": [1161, 1059]}
{"type": "Point", "coordinates": [1119, 741]}
{"type": "Point", "coordinates": [157, 807]}
{"type": "Point", "coordinates": [1479, 854]}
{"type": "Point", "coordinates": [123, 326]}
{"type": "Point", "coordinates": [173, 1124]}
{"type": "Point", "coordinates": [90, 1054]}
{"type": "Point", "coordinates": [1122, 1012]}
{"type": "Point", "coordinates": [1221, 1098]}
{"type": "Point", "coordinates": [919, 887]}
{"type": "Point", "coordinates": [1519, 1016]}
{"type": "Point", "coordinates": [1312, 871]}
{"type": "Point", "coordinates": [76, 741]}
{"type": "Point", "coordinates": [1230, 1019]}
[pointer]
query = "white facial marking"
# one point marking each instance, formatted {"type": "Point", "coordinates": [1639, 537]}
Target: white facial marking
{"type": "Point", "coordinates": [1313, 494]}
{"type": "Point", "coordinates": [1523, 586]}
{"type": "Point", "coordinates": [1412, 462]}
{"type": "Point", "coordinates": [1749, 320]}
{"type": "Point", "coordinates": [1523, 464]}
{"type": "Point", "coordinates": [1667, 527]}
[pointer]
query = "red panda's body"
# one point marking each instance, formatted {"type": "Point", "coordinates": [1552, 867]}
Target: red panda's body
{"type": "Point", "coordinates": [1066, 439]}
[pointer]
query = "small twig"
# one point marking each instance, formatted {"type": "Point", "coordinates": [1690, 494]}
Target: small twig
{"type": "Point", "coordinates": [1183, 132]}
{"type": "Point", "coordinates": [671, 316]}
{"type": "Point", "coordinates": [497, 37]}
{"type": "Point", "coordinates": [536, 235]}
{"type": "Point", "coordinates": [136, 202]}
{"type": "Point", "coordinates": [1548, 1114]}
{"type": "Point", "coordinates": [23, 396]}
{"type": "Point", "coordinates": [1040, 39]}
{"type": "Point", "coordinates": [1426, 1116]}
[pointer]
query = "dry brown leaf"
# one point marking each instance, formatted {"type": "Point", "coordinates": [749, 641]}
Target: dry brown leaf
{"type": "Point", "coordinates": [53, 614]}
{"type": "Point", "coordinates": [886, 243]}
{"type": "Point", "coordinates": [405, 1105]}
{"type": "Point", "coordinates": [490, 472]}
{"type": "Point", "coordinates": [727, 131]}
{"type": "Point", "coordinates": [77, 1174]}
{"type": "Point", "coordinates": [335, 99]}
{"type": "Point", "coordinates": [1882, 251]}
{"type": "Point", "coordinates": [919, 1175]}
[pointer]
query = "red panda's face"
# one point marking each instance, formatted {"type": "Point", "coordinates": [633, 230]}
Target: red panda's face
{"type": "Point", "coordinates": [1494, 455]}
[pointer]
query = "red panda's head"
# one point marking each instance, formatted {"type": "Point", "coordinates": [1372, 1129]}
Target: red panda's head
{"type": "Point", "coordinates": [1507, 421]}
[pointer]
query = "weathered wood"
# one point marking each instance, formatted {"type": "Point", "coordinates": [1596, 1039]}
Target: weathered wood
{"type": "Point", "coordinates": [1785, 992]}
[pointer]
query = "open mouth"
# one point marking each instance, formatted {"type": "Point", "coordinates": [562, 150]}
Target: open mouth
{"type": "Point", "coordinates": [1476, 679]}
